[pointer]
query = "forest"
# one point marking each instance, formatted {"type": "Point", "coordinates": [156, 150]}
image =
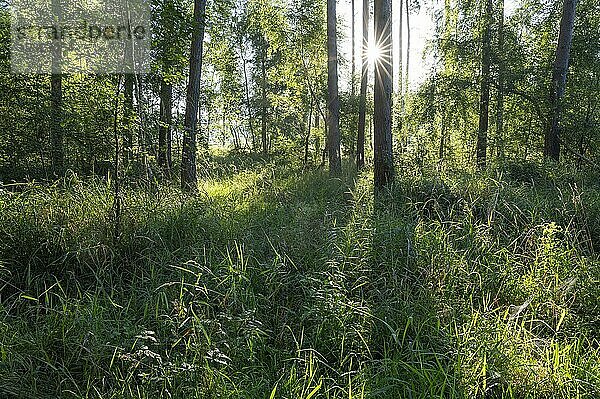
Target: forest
{"type": "Point", "coordinates": [300, 199]}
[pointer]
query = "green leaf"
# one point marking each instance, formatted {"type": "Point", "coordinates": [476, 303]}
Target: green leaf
{"type": "Point", "coordinates": [314, 391]}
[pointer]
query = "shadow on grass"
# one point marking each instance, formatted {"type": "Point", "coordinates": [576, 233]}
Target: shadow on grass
{"type": "Point", "coordinates": [255, 256]}
{"type": "Point", "coordinates": [271, 279]}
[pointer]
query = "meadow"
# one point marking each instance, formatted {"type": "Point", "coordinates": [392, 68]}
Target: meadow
{"type": "Point", "coordinates": [280, 282]}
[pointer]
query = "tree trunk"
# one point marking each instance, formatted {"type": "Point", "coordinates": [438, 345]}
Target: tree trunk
{"type": "Point", "coordinates": [263, 131]}
{"type": "Point", "coordinates": [315, 99]}
{"type": "Point", "coordinates": [382, 117]}
{"type": "Point", "coordinates": [189, 178]}
{"type": "Point", "coordinates": [353, 72]}
{"type": "Point", "coordinates": [441, 150]}
{"type": "Point", "coordinates": [116, 207]}
{"type": "Point", "coordinates": [310, 113]}
{"type": "Point", "coordinates": [407, 46]}
{"type": "Point", "coordinates": [362, 104]}
{"type": "Point", "coordinates": [559, 80]}
{"type": "Point", "coordinates": [164, 130]}
{"type": "Point", "coordinates": [247, 92]}
{"type": "Point", "coordinates": [128, 120]}
{"type": "Point", "coordinates": [56, 125]}
{"type": "Point", "coordinates": [144, 142]}
{"type": "Point", "coordinates": [484, 101]}
{"type": "Point", "coordinates": [500, 99]}
{"type": "Point", "coordinates": [56, 102]}
{"type": "Point", "coordinates": [400, 72]}
{"type": "Point", "coordinates": [333, 104]}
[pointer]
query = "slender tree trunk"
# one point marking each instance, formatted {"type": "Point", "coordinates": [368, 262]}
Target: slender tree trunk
{"type": "Point", "coordinates": [314, 97]}
{"type": "Point", "coordinates": [310, 113]}
{"type": "Point", "coordinates": [189, 178]}
{"type": "Point", "coordinates": [441, 152]}
{"type": "Point", "coordinates": [325, 142]}
{"type": "Point", "coordinates": [127, 152]}
{"type": "Point", "coordinates": [143, 136]}
{"type": "Point", "coordinates": [247, 92]}
{"type": "Point", "coordinates": [164, 131]}
{"type": "Point", "coordinates": [321, 112]}
{"type": "Point", "coordinates": [406, 77]}
{"type": "Point", "coordinates": [382, 117]}
{"type": "Point", "coordinates": [400, 71]}
{"type": "Point", "coordinates": [407, 47]}
{"type": "Point", "coordinates": [236, 138]}
{"type": "Point", "coordinates": [484, 101]}
{"type": "Point", "coordinates": [353, 72]}
{"type": "Point", "coordinates": [364, 79]}
{"type": "Point", "coordinates": [500, 99]}
{"type": "Point", "coordinates": [263, 131]}
{"type": "Point", "coordinates": [56, 102]}
{"type": "Point", "coordinates": [559, 80]}
{"type": "Point", "coordinates": [116, 207]}
{"type": "Point", "coordinates": [333, 104]}
{"type": "Point", "coordinates": [56, 125]}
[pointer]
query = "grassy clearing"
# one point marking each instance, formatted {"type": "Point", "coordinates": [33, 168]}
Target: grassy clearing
{"type": "Point", "coordinates": [279, 283]}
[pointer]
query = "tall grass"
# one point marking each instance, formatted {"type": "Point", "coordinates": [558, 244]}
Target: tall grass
{"type": "Point", "coordinates": [283, 283]}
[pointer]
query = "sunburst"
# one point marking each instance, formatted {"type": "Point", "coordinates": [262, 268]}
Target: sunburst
{"type": "Point", "coordinates": [379, 54]}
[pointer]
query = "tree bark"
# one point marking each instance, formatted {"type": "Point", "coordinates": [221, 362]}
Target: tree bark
{"type": "Point", "coordinates": [400, 72]}
{"type": "Point", "coordinates": [189, 178]}
{"type": "Point", "coordinates": [263, 131]}
{"type": "Point", "coordinates": [127, 152]}
{"type": "Point", "coordinates": [353, 71]}
{"type": "Point", "coordinates": [500, 99]}
{"type": "Point", "coordinates": [310, 113]}
{"type": "Point", "coordinates": [407, 46]}
{"type": "Point", "coordinates": [362, 104]}
{"type": "Point", "coordinates": [164, 130]}
{"type": "Point", "coordinates": [559, 80]}
{"type": "Point", "coordinates": [57, 140]}
{"type": "Point", "coordinates": [56, 102]}
{"type": "Point", "coordinates": [441, 151]}
{"type": "Point", "coordinates": [484, 100]}
{"type": "Point", "coordinates": [333, 104]}
{"type": "Point", "coordinates": [382, 118]}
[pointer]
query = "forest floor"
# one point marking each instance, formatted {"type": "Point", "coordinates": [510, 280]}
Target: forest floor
{"type": "Point", "coordinates": [276, 282]}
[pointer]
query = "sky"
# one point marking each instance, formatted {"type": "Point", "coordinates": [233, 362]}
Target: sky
{"type": "Point", "coordinates": [421, 30]}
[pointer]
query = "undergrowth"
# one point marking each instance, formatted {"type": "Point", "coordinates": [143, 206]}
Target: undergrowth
{"type": "Point", "coordinates": [275, 282]}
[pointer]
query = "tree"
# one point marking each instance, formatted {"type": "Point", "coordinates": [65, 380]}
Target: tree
{"type": "Point", "coordinates": [240, 38]}
{"type": "Point", "coordinates": [382, 118]}
{"type": "Point", "coordinates": [353, 41]}
{"type": "Point", "coordinates": [127, 152]}
{"type": "Point", "coordinates": [407, 44]}
{"type": "Point", "coordinates": [500, 95]}
{"type": "Point", "coordinates": [559, 79]}
{"type": "Point", "coordinates": [164, 130]}
{"type": "Point", "coordinates": [188, 156]}
{"type": "Point", "coordinates": [484, 95]}
{"type": "Point", "coordinates": [56, 124]}
{"type": "Point", "coordinates": [171, 25]}
{"type": "Point", "coordinates": [306, 50]}
{"type": "Point", "coordinates": [400, 72]}
{"type": "Point", "coordinates": [362, 104]}
{"type": "Point", "coordinates": [266, 27]}
{"type": "Point", "coordinates": [333, 103]}
{"type": "Point", "coordinates": [264, 99]}
{"type": "Point", "coordinates": [56, 130]}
